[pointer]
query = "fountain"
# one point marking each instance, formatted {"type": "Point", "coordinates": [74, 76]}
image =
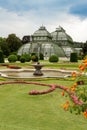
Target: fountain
{"type": "Point", "coordinates": [38, 71]}
{"type": "Point", "coordinates": [34, 74]}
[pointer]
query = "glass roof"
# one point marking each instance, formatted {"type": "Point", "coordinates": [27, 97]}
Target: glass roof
{"type": "Point", "coordinates": [60, 34]}
{"type": "Point", "coordinates": [42, 31]}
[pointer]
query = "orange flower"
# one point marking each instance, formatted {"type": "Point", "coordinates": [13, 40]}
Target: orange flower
{"type": "Point", "coordinates": [66, 106]}
{"type": "Point", "coordinates": [81, 67]}
{"type": "Point", "coordinates": [85, 114]}
{"type": "Point", "coordinates": [75, 85]}
{"type": "Point", "coordinates": [74, 74]}
{"type": "Point", "coordinates": [85, 64]}
{"type": "Point", "coordinates": [63, 93]}
{"type": "Point", "coordinates": [73, 88]}
{"type": "Point", "coordinates": [85, 61]}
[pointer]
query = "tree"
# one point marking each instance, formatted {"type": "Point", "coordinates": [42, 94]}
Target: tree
{"type": "Point", "coordinates": [13, 42]}
{"type": "Point", "coordinates": [1, 57]}
{"type": "Point", "coordinates": [4, 47]}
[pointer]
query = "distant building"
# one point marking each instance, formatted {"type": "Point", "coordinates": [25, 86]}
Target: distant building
{"type": "Point", "coordinates": [42, 41]}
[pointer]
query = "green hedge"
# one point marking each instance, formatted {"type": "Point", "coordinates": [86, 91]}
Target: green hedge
{"type": "Point", "coordinates": [12, 58]}
{"type": "Point", "coordinates": [53, 58]}
{"type": "Point", "coordinates": [73, 57]}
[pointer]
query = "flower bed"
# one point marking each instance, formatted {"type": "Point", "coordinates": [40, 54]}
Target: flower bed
{"type": "Point", "coordinates": [13, 67]}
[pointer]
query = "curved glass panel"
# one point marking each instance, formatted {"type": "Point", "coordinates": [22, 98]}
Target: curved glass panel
{"type": "Point", "coordinates": [46, 48]}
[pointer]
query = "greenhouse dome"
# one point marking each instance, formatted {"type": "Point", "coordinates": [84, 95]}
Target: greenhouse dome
{"type": "Point", "coordinates": [46, 48]}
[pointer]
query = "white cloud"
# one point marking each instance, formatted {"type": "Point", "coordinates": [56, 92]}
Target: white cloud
{"type": "Point", "coordinates": [28, 22]}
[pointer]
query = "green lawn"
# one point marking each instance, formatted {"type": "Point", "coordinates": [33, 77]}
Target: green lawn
{"type": "Point", "coordinates": [20, 111]}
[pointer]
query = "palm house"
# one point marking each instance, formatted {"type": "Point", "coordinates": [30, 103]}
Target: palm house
{"type": "Point", "coordinates": [55, 43]}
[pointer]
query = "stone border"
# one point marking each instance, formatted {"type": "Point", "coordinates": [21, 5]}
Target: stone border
{"type": "Point", "coordinates": [68, 73]}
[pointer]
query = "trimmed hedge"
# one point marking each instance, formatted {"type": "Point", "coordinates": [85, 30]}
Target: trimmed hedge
{"type": "Point", "coordinates": [53, 58]}
{"type": "Point", "coordinates": [73, 57]}
{"type": "Point", "coordinates": [27, 57]}
{"type": "Point", "coordinates": [34, 58]}
{"type": "Point", "coordinates": [12, 58]}
{"type": "Point", "coordinates": [22, 59]}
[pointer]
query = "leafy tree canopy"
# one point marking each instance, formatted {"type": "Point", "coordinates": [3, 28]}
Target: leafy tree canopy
{"type": "Point", "coordinates": [13, 42]}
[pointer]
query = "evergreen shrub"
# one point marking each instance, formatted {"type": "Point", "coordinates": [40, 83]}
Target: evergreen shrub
{"type": "Point", "coordinates": [12, 58]}
{"type": "Point", "coordinates": [73, 57]}
{"type": "Point", "coordinates": [41, 56]}
{"type": "Point", "coordinates": [22, 59]}
{"type": "Point", "coordinates": [27, 57]}
{"type": "Point", "coordinates": [34, 58]}
{"type": "Point", "coordinates": [53, 58]}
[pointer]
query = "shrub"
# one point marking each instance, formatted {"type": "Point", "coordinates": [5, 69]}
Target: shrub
{"type": "Point", "coordinates": [73, 57]}
{"type": "Point", "coordinates": [53, 58]}
{"type": "Point", "coordinates": [12, 58]}
{"type": "Point", "coordinates": [18, 56]}
{"type": "Point", "coordinates": [41, 56]}
{"type": "Point", "coordinates": [22, 59]}
{"type": "Point", "coordinates": [79, 57]}
{"type": "Point", "coordinates": [34, 58]}
{"type": "Point", "coordinates": [33, 54]}
{"type": "Point", "coordinates": [1, 57]}
{"type": "Point", "coordinates": [27, 57]}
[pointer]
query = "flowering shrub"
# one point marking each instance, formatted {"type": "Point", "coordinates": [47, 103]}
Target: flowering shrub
{"type": "Point", "coordinates": [78, 93]}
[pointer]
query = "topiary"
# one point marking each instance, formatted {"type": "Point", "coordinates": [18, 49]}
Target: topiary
{"type": "Point", "coordinates": [27, 57]}
{"type": "Point", "coordinates": [34, 58]}
{"type": "Point", "coordinates": [22, 59]}
{"type": "Point", "coordinates": [18, 56]}
{"type": "Point", "coordinates": [73, 57]}
{"type": "Point", "coordinates": [12, 58]}
{"type": "Point", "coordinates": [53, 58]}
{"type": "Point", "coordinates": [1, 57]}
{"type": "Point", "coordinates": [41, 56]}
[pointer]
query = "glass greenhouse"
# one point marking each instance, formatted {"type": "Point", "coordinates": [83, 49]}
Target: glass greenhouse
{"type": "Point", "coordinates": [47, 49]}
{"type": "Point", "coordinates": [44, 42]}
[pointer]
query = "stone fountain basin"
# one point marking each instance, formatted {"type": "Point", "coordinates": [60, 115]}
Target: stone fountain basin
{"type": "Point", "coordinates": [28, 73]}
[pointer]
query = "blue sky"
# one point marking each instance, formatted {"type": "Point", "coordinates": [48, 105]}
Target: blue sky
{"type": "Point", "coordinates": [23, 17]}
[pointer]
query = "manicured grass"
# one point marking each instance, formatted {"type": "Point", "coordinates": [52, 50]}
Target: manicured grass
{"type": "Point", "coordinates": [20, 111]}
{"type": "Point", "coordinates": [60, 64]}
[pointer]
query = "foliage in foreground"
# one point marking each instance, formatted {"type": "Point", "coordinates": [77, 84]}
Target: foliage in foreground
{"type": "Point", "coordinates": [78, 92]}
